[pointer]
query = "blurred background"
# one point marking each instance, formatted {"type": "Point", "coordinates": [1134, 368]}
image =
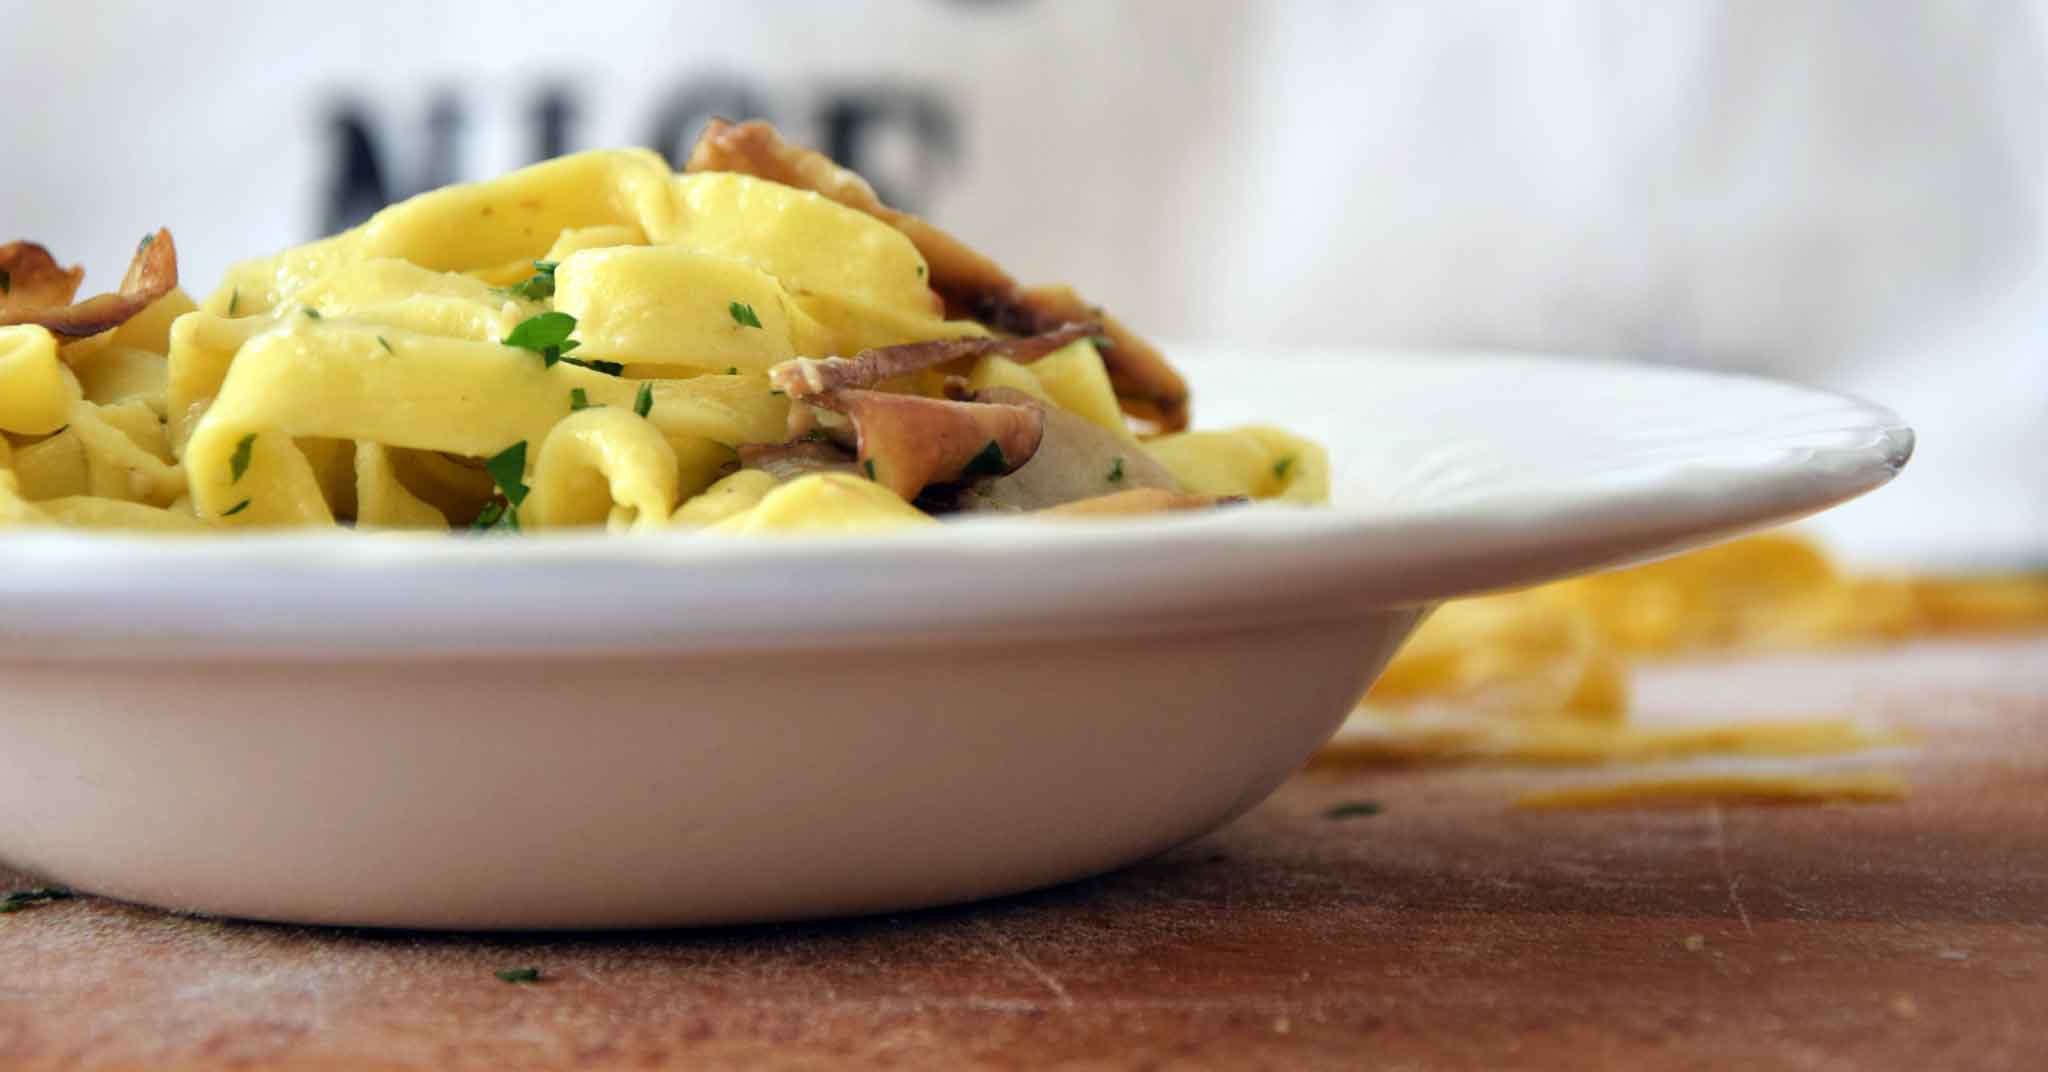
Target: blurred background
{"type": "Point", "coordinates": [1850, 194]}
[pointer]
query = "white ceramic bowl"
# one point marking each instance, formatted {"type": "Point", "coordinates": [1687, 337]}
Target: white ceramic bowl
{"type": "Point", "coordinates": [590, 732]}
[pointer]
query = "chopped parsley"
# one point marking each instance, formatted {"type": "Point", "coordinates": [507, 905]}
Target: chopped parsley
{"type": "Point", "coordinates": [312, 313]}
{"type": "Point", "coordinates": [867, 465]}
{"type": "Point", "coordinates": [146, 240]}
{"type": "Point", "coordinates": [538, 286]}
{"type": "Point", "coordinates": [386, 344]}
{"type": "Point", "coordinates": [496, 515]}
{"type": "Point", "coordinates": [234, 301]}
{"type": "Point", "coordinates": [643, 402]}
{"type": "Point", "coordinates": [1116, 470]}
{"type": "Point", "coordinates": [1281, 467]}
{"type": "Point", "coordinates": [579, 399]}
{"type": "Point", "coordinates": [1354, 809]}
{"type": "Point", "coordinates": [989, 462]}
{"type": "Point", "coordinates": [6, 282]}
{"type": "Point", "coordinates": [17, 900]}
{"type": "Point", "coordinates": [1102, 342]}
{"type": "Point", "coordinates": [508, 471]}
{"type": "Point", "coordinates": [546, 335]}
{"type": "Point", "coordinates": [732, 370]}
{"type": "Point", "coordinates": [609, 368]}
{"type": "Point", "coordinates": [518, 975]}
{"type": "Point", "coordinates": [920, 271]}
{"type": "Point", "coordinates": [235, 509]}
{"type": "Point", "coordinates": [743, 315]}
{"type": "Point", "coordinates": [238, 462]}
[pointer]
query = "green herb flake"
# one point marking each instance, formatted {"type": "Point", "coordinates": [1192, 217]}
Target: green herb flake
{"type": "Point", "coordinates": [609, 368]}
{"type": "Point", "coordinates": [867, 465]}
{"type": "Point", "coordinates": [235, 509]}
{"type": "Point", "coordinates": [508, 471]}
{"type": "Point", "coordinates": [546, 334]}
{"type": "Point", "coordinates": [1281, 467]}
{"type": "Point", "coordinates": [386, 344]}
{"type": "Point", "coordinates": [920, 271]}
{"type": "Point", "coordinates": [146, 240]}
{"type": "Point", "coordinates": [989, 462]}
{"type": "Point", "coordinates": [1354, 809]}
{"type": "Point", "coordinates": [743, 315]}
{"type": "Point", "coordinates": [238, 462]}
{"type": "Point", "coordinates": [643, 402]}
{"type": "Point", "coordinates": [234, 301]}
{"type": "Point", "coordinates": [579, 399]}
{"type": "Point", "coordinates": [312, 313]}
{"type": "Point", "coordinates": [518, 975]}
{"type": "Point", "coordinates": [6, 282]}
{"type": "Point", "coordinates": [538, 286]}
{"type": "Point", "coordinates": [1116, 470]}
{"type": "Point", "coordinates": [732, 370]}
{"type": "Point", "coordinates": [17, 900]}
{"type": "Point", "coordinates": [1102, 342]}
{"type": "Point", "coordinates": [489, 516]}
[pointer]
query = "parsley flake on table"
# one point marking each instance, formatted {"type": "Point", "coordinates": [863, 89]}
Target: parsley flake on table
{"type": "Point", "coordinates": [743, 315]}
{"type": "Point", "coordinates": [547, 335]}
{"type": "Point", "coordinates": [1354, 809]}
{"type": "Point", "coordinates": [17, 900]}
{"type": "Point", "coordinates": [643, 402]}
{"type": "Point", "coordinates": [238, 462]}
{"type": "Point", "coordinates": [518, 975]}
{"type": "Point", "coordinates": [541, 284]}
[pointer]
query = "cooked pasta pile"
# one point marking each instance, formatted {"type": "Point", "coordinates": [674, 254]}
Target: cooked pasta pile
{"type": "Point", "coordinates": [600, 341]}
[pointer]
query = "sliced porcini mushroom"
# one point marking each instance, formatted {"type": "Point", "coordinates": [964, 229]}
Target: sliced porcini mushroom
{"type": "Point", "coordinates": [1076, 460]}
{"type": "Point", "coordinates": [908, 442]}
{"type": "Point", "coordinates": [46, 300]}
{"type": "Point", "coordinates": [804, 457]}
{"type": "Point", "coordinates": [31, 281]}
{"type": "Point", "coordinates": [806, 377]}
{"type": "Point", "coordinates": [971, 284]}
{"type": "Point", "coordinates": [1138, 501]}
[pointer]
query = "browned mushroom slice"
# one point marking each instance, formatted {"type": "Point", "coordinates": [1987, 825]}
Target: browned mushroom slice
{"type": "Point", "coordinates": [804, 377]}
{"type": "Point", "coordinates": [804, 457]}
{"type": "Point", "coordinates": [31, 281]}
{"type": "Point", "coordinates": [971, 284]}
{"type": "Point", "coordinates": [151, 275]}
{"type": "Point", "coordinates": [906, 442]}
{"type": "Point", "coordinates": [1076, 459]}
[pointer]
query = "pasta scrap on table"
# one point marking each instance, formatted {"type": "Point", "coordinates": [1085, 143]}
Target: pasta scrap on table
{"type": "Point", "coordinates": [1542, 677]}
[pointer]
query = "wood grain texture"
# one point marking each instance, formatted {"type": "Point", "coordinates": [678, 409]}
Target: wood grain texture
{"type": "Point", "coordinates": [1444, 932]}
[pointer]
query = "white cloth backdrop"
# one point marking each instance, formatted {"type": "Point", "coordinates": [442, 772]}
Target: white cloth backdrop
{"type": "Point", "coordinates": [1852, 194]}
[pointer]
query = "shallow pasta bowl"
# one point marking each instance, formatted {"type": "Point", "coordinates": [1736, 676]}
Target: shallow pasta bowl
{"type": "Point", "coordinates": [577, 731]}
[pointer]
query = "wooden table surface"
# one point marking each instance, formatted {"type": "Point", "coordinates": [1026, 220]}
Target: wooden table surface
{"type": "Point", "coordinates": [1446, 931]}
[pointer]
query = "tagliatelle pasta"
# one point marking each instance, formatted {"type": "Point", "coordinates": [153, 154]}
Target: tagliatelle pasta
{"type": "Point", "coordinates": [600, 341]}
